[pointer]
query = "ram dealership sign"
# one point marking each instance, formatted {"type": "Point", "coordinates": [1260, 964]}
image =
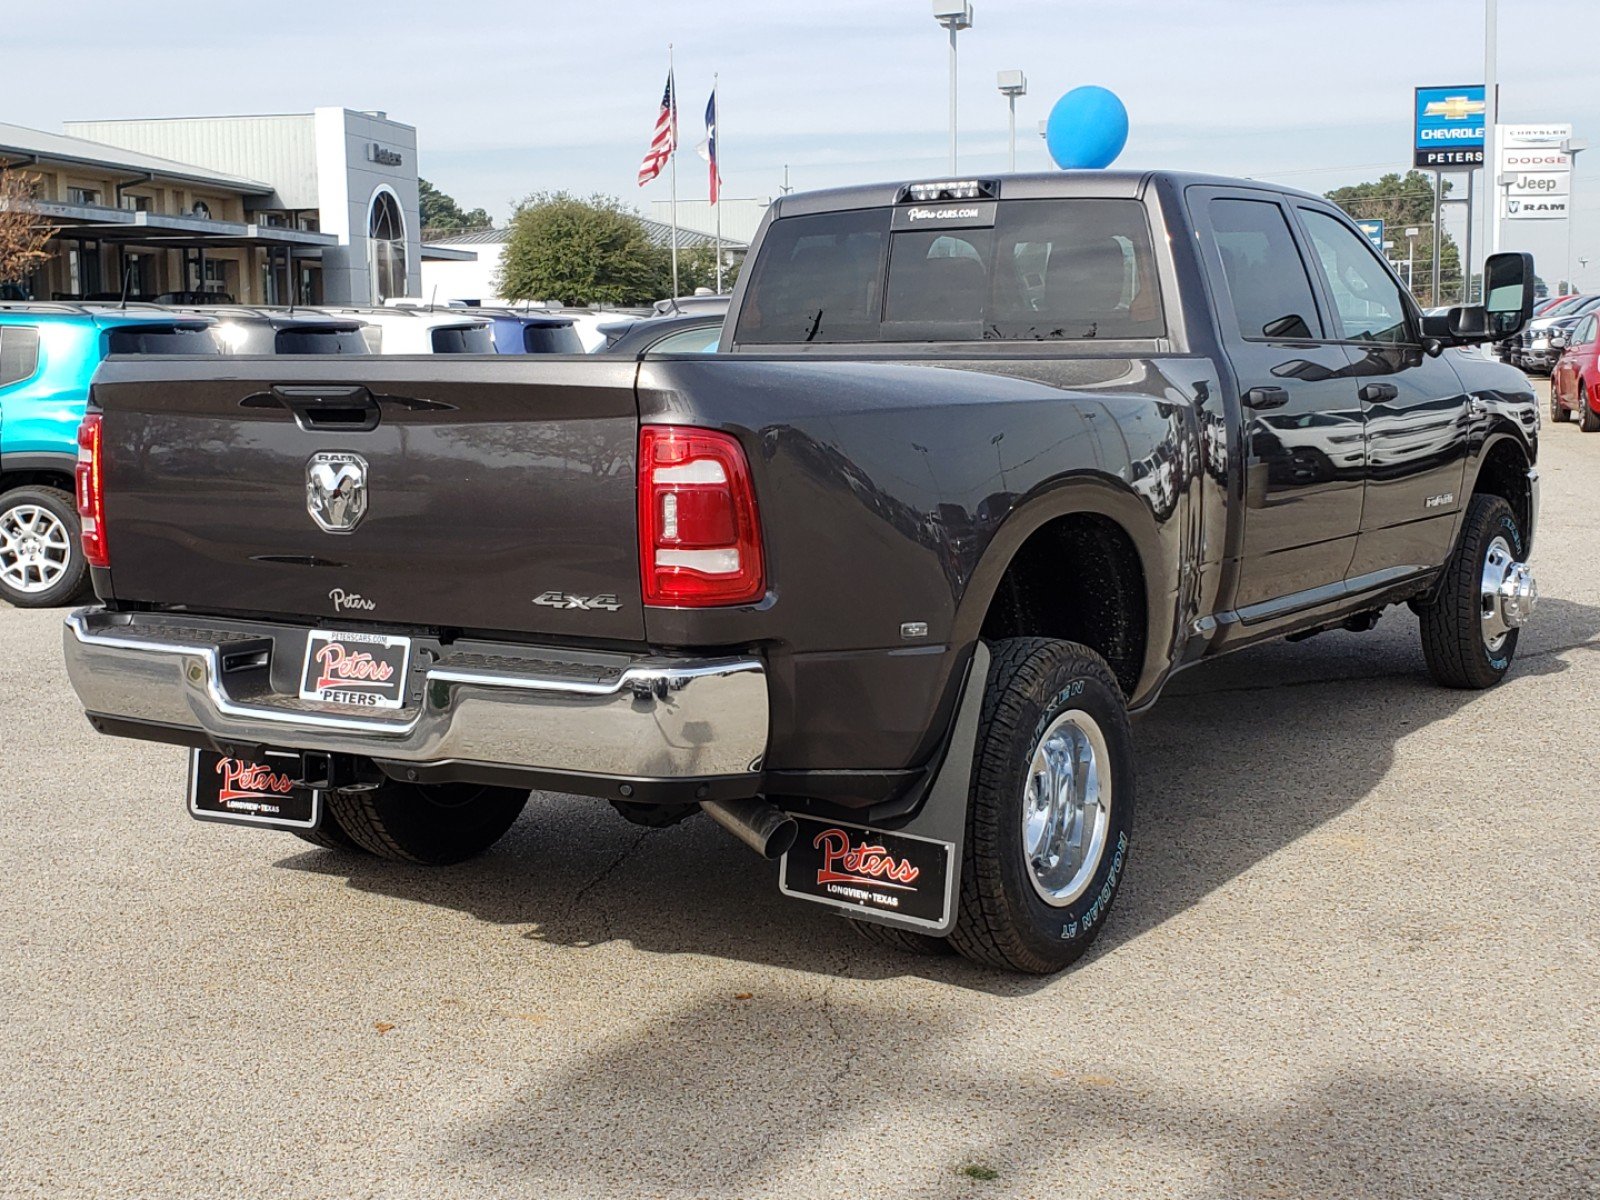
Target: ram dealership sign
{"type": "Point", "coordinates": [1535, 172]}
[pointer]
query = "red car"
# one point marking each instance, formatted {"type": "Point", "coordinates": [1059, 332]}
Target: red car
{"type": "Point", "coordinates": [1575, 379]}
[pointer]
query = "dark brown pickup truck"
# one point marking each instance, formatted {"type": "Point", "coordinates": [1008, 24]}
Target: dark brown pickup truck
{"type": "Point", "coordinates": [979, 466]}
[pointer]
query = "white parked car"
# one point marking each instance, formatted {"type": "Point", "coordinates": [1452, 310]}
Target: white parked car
{"type": "Point", "coordinates": [421, 330]}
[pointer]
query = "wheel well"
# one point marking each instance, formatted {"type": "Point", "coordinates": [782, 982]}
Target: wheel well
{"type": "Point", "coordinates": [1078, 578]}
{"type": "Point", "coordinates": [1504, 473]}
{"type": "Point", "coordinates": [55, 479]}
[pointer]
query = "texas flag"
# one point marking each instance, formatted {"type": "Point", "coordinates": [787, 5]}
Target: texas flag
{"type": "Point", "coordinates": [708, 148]}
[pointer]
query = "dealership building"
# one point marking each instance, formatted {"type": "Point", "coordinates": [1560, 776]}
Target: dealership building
{"type": "Point", "coordinates": [317, 207]}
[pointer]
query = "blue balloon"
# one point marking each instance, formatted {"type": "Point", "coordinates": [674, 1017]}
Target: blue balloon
{"type": "Point", "coordinates": [1088, 127]}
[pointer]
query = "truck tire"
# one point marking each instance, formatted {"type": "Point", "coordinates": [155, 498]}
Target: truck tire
{"type": "Point", "coordinates": [906, 941]}
{"type": "Point", "coordinates": [328, 834]}
{"type": "Point", "coordinates": [41, 557]}
{"type": "Point", "coordinates": [1051, 809]}
{"type": "Point", "coordinates": [1464, 648]}
{"type": "Point", "coordinates": [433, 824]}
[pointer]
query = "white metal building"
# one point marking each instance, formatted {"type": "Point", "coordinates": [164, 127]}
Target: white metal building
{"type": "Point", "coordinates": [741, 215]}
{"type": "Point", "coordinates": [476, 279]}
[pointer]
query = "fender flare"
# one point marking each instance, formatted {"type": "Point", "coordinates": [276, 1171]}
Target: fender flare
{"type": "Point", "coordinates": [1084, 493]}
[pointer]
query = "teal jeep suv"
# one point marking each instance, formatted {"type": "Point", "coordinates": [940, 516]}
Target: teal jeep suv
{"type": "Point", "coordinates": [48, 354]}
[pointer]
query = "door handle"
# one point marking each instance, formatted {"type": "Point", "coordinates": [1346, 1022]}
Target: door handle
{"type": "Point", "coordinates": [1376, 393]}
{"type": "Point", "coordinates": [1266, 397]}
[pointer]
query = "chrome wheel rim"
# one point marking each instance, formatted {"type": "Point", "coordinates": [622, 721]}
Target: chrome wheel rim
{"type": "Point", "coordinates": [1507, 593]}
{"type": "Point", "coordinates": [1066, 807]}
{"type": "Point", "coordinates": [35, 548]}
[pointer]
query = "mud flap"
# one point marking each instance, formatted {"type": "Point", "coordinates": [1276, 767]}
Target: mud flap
{"type": "Point", "coordinates": [909, 876]}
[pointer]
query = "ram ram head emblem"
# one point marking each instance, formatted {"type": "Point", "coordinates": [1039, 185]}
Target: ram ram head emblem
{"type": "Point", "coordinates": [336, 490]}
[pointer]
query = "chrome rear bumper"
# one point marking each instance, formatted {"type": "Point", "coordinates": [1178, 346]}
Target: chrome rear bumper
{"type": "Point", "coordinates": [536, 709]}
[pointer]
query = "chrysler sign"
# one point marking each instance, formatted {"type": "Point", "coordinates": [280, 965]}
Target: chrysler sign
{"type": "Point", "coordinates": [1535, 172]}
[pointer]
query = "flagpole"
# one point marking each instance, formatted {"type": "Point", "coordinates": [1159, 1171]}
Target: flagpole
{"type": "Point", "coordinates": [716, 172]}
{"type": "Point", "coordinates": [674, 164]}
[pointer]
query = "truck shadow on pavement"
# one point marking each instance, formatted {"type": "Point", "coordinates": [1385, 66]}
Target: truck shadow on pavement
{"type": "Point", "coordinates": [775, 1095]}
{"type": "Point", "coordinates": [778, 1098]}
{"type": "Point", "coordinates": [1239, 759]}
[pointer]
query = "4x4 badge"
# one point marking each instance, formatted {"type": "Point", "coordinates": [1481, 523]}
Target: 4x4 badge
{"type": "Point", "coordinates": [604, 602]}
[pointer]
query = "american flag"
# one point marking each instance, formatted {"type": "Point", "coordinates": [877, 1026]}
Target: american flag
{"type": "Point", "coordinates": [665, 139]}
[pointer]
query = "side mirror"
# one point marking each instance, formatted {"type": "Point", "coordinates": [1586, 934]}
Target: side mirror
{"type": "Point", "coordinates": [1470, 323]}
{"type": "Point", "coordinates": [1508, 303]}
{"type": "Point", "coordinates": [1558, 341]}
{"type": "Point", "coordinates": [1508, 292]}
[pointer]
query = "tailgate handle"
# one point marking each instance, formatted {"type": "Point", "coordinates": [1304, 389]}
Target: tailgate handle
{"type": "Point", "coordinates": [329, 408]}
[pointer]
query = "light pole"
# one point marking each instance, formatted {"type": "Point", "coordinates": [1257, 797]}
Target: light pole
{"type": "Point", "coordinates": [1411, 255]}
{"type": "Point", "coordinates": [954, 15]}
{"type": "Point", "coordinates": [1012, 84]}
{"type": "Point", "coordinates": [1573, 147]}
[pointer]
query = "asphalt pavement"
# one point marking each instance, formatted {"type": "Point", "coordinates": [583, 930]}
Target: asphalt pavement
{"type": "Point", "coordinates": [1357, 955]}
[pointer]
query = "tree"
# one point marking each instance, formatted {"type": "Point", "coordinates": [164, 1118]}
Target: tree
{"type": "Point", "coordinates": [441, 215]}
{"type": "Point", "coordinates": [1404, 202]}
{"type": "Point", "coordinates": [697, 268]}
{"type": "Point", "coordinates": [22, 234]}
{"type": "Point", "coordinates": [581, 251]}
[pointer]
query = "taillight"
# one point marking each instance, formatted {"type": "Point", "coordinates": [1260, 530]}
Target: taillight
{"type": "Point", "coordinates": [699, 539]}
{"type": "Point", "coordinates": [91, 495]}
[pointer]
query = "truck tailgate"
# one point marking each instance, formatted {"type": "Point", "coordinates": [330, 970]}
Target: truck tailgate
{"type": "Point", "coordinates": [496, 494]}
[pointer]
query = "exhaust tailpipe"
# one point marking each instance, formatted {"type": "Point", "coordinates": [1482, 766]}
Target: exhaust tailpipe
{"type": "Point", "coordinates": [762, 826]}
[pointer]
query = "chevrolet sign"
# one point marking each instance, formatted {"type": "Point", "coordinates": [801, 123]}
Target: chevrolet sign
{"type": "Point", "coordinates": [1449, 128]}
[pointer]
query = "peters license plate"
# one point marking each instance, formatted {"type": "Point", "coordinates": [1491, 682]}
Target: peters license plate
{"type": "Point", "coordinates": [251, 791]}
{"type": "Point", "coordinates": [851, 867]}
{"type": "Point", "coordinates": [360, 670]}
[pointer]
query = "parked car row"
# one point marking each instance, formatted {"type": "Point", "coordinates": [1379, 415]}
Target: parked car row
{"type": "Point", "coordinates": [1534, 350]}
{"type": "Point", "coordinates": [1575, 378]}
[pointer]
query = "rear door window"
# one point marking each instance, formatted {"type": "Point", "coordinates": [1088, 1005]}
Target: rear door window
{"type": "Point", "coordinates": [319, 341]}
{"type": "Point", "coordinates": [551, 339]}
{"type": "Point", "coordinates": [1043, 270]}
{"type": "Point", "coordinates": [161, 339]}
{"type": "Point", "coordinates": [1268, 284]}
{"type": "Point", "coordinates": [470, 339]}
{"type": "Point", "coordinates": [19, 353]}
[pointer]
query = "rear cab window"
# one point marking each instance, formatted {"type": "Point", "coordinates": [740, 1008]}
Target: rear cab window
{"type": "Point", "coordinates": [994, 271]}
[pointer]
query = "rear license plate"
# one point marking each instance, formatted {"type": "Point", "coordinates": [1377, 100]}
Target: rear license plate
{"type": "Point", "coordinates": [256, 791]}
{"type": "Point", "coordinates": [361, 670]}
{"type": "Point", "coordinates": [852, 867]}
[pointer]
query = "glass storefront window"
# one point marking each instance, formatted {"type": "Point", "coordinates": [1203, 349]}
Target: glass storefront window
{"type": "Point", "coordinates": [386, 248]}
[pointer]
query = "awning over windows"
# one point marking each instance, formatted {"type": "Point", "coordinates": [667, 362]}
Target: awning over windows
{"type": "Point", "coordinates": [112, 225]}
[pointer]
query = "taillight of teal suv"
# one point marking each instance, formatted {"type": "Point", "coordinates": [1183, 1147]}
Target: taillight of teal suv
{"type": "Point", "coordinates": [48, 356]}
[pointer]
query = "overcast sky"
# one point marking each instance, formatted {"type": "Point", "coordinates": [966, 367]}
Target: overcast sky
{"type": "Point", "coordinates": [510, 98]}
